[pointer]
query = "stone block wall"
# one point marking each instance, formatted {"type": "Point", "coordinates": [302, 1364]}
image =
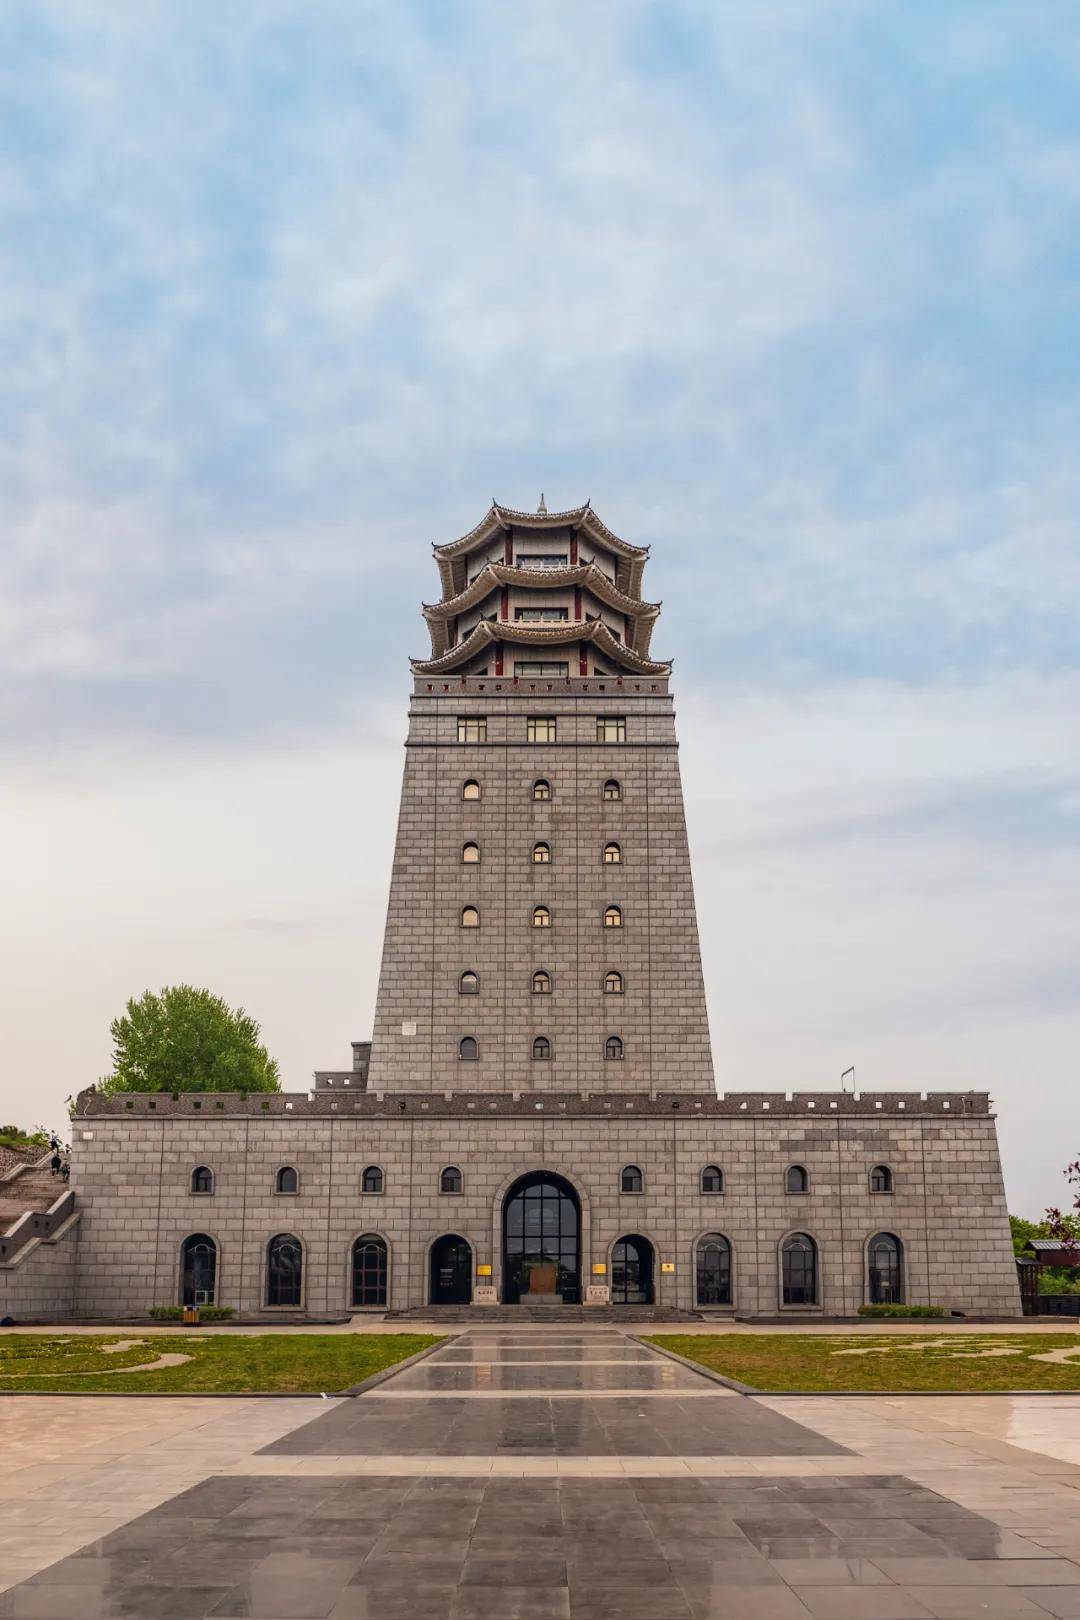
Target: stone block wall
{"type": "Point", "coordinates": [661, 1015]}
{"type": "Point", "coordinates": [133, 1179]}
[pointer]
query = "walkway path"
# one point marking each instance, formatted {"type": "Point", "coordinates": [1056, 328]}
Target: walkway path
{"type": "Point", "coordinates": [564, 1475]}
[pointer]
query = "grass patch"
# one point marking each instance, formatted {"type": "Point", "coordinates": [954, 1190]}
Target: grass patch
{"type": "Point", "coordinates": [225, 1363]}
{"type": "Point", "coordinates": [915, 1362]}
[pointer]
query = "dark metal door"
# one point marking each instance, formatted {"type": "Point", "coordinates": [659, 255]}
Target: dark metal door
{"type": "Point", "coordinates": [451, 1272]}
{"type": "Point", "coordinates": [632, 1272]}
{"type": "Point", "coordinates": [199, 1270]}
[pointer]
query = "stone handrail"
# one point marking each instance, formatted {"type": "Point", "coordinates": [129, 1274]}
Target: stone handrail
{"type": "Point", "coordinates": [37, 1225]}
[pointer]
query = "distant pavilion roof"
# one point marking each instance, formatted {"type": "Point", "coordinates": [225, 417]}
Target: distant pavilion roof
{"type": "Point", "coordinates": [499, 518]}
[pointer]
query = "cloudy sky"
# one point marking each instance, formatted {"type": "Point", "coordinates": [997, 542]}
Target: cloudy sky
{"type": "Point", "coordinates": [791, 291]}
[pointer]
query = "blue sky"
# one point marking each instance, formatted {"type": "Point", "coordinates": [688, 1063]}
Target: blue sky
{"type": "Point", "coordinates": [790, 291]}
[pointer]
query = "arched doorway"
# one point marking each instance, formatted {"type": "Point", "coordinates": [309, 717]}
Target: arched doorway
{"type": "Point", "coordinates": [198, 1270]}
{"type": "Point", "coordinates": [451, 1271]}
{"type": "Point", "coordinates": [632, 1271]}
{"type": "Point", "coordinates": [369, 1271]}
{"type": "Point", "coordinates": [541, 1240]}
{"type": "Point", "coordinates": [885, 1256]}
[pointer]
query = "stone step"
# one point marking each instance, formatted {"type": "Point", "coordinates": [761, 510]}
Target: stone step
{"type": "Point", "coordinates": [551, 1316]}
{"type": "Point", "coordinates": [34, 1189]}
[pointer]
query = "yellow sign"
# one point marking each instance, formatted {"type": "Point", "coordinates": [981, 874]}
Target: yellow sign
{"type": "Point", "coordinates": [599, 1270]}
{"type": "Point", "coordinates": [483, 1271]}
{"type": "Point", "coordinates": [667, 1265]}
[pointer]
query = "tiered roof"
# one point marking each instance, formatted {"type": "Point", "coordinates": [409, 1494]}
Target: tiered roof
{"type": "Point", "coordinates": [460, 594]}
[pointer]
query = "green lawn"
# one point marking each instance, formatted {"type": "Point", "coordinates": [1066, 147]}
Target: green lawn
{"type": "Point", "coordinates": [910, 1361]}
{"type": "Point", "coordinates": [295, 1363]}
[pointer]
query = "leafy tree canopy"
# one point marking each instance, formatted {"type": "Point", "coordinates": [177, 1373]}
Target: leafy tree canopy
{"type": "Point", "coordinates": [186, 1039]}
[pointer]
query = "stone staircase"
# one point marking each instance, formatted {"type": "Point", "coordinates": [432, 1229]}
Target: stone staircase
{"type": "Point", "coordinates": [27, 1187]}
{"type": "Point", "coordinates": [550, 1315]}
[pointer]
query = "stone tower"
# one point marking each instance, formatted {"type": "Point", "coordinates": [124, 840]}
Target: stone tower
{"type": "Point", "coordinates": [541, 933]}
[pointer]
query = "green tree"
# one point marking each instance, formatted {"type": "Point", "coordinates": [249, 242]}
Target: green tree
{"type": "Point", "coordinates": [185, 1039]}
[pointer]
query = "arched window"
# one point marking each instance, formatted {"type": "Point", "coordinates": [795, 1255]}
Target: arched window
{"type": "Point", "coordinates": [799, 1267]}
{"type": "Point", "coordinates": [881, 1179]}
{"type": "Point", "coordinates": [797, 1179]}
{"type": "Point", "coordinates": [288, 1181]}
{"type": "Point", "coordinates": [541, 854]}
{"type": "Point", "coordinates": [198, 1270]}
{"type": "Point", "coordinates": [284, 1270]}
{"type": "Point", "coordinates": [470, 917]}
{"type": "Point", "coordinates": [631, 1180]}
{"type": "Point", "coordinates": [470, 789]}
{"type": "Point", "coordinates": [470, 854]}
{"type": "Point", "coordinates": [613, 984]}
{"type": "Point", "coordinates": [372, 1180]}
{"type": "Point", "coordinates": [468, 1051]}
{"type": "Point", "coordinates": [613, 1049]}
{"type": "Point", "coordinates": [885, 1263]}
{"type": "Point", "coordinates": [369, 1271]}
{"type": "Point", "coordinates": [612, 855]}
{"type": "Point", "coordinates": [541, 982]}
{"type": "Point", "coordinates": [541, 789]}
{"type": "Point", "coordinates": [450, 1180]}
{"type": "Point", "coordinates": [541, 1049]}
{"type": "Point", "coordinates": [202, 1180]}
{"type": "Point", "coordinates": [613, 917]}
{"type": "Point", "coordinates": [712, 1179]}
{"type": "Point", "coordinates": [541, 917]}
{"type": "Point", "coordinates": [713, 1270]}
{"type": "Point", "coordinates": [612, 789]}
{"type": "Point", "coordinates": [469, 983]}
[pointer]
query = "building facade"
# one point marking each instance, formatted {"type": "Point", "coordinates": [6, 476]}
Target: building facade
{"type": "Point", "coordinates": [536, 1119]}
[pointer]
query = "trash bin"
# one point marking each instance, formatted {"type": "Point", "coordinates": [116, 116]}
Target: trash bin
{"type": "Point", "coordinates": [191, 1316]}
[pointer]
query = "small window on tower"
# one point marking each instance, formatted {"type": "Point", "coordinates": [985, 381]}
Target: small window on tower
{"type": "Point", "coordinates": [541, 983]}
{"type": "Point", "coordinates": [541, 728]}
{"type": "Point", "coordinates": [612, 789]}
{"type": "Point", "coordinates": [541, 917]}
{"type": "Point", "coordinates": [541, 855]}
{"type": "Point", "coordinates": [541, 789]}
{"type": "Point", "coordinates": [470, 917]}
{"type": "Point", "coordinates": [612, 855]}
{"type": "Point", "coordinates": [471, 789]}
{"type": "Point", "coordinates": [470, 854]}
{"type": "Point", "coordinates": [613, 984]}
{"type": "Point", "coordinates": [469, 983]}
{"type": "Point", "coordinates": [613, 1049]}
{"type": "Point", "coordinates": [472, 728]}
{"type": "Point", "coordinates": [468, 1050]}
{"type": "Point", "coordinates": [541, 1049]}
{"type": "Point", "coordinates": [611, 728]}
{"type": "Point", "coordinates": [613, 917]}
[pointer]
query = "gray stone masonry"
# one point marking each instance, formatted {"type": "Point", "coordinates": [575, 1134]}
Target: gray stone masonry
{"type": "Point", "coordinates": [660, 1015]}
{"type": "Point", "coordinates": [132, 1172]}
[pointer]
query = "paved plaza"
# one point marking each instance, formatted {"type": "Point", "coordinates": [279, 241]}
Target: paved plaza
{"type": "Point", "coordinates": [541, 1472]}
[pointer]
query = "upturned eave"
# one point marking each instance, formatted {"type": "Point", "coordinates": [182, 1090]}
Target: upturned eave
{"type": "Point", "coordinates": [556, 635]}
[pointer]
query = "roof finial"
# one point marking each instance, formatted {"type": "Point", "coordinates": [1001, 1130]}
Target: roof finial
{"type": "Point", "coordinates": [541, 510]}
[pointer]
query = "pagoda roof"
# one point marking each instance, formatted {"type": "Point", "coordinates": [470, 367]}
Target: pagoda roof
{"type": "Point", "coordinates": [500, 518]}
{"type": "Point", "coordinates": [532, 635]}
{"type": "Point", "coordinates": [586, 575]}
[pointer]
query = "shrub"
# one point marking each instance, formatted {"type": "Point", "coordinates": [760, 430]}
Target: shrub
{"type": "Point", "coordinates": [167, 1313]}
{"type": "Point", "coordinates": [216, 1313]}
{"type": "Point", "coordinates": [901, 1310]}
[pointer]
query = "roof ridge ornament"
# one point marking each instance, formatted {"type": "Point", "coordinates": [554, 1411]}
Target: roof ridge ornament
{"type": "Point", "coordinates": [541, 510]}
